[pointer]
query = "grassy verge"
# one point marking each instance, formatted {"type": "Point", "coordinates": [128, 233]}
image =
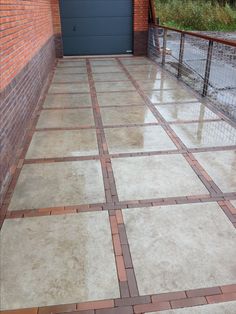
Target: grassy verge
{"type": "Point", "coordinates": [196, 15]}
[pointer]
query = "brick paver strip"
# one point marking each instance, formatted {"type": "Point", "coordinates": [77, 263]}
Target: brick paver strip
{"type": "Point", "coordinates": [188, 302]}
{"type": "Point", "coordinates": [169, 296]}
{"type": "Point", "coordinates": [161, 306]}
{"type": "Point", "coordinates": [203, 292]}
{"type": "Point", "coordinates": [221, 297]}
{"type": "Point", "coordinates": [95, 305]}
{"type": "Point", "coordinates": [121, 310]}
{"type": "Point", "coordinates": [57, 309]}
{"type": "Point", "coordinates": [228, 289]}
{"type": "Point", "coordinates": [22, 311]}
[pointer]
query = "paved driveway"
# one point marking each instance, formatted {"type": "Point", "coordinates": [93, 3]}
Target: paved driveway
{"type": "Point", "coordinates": [125, 201]}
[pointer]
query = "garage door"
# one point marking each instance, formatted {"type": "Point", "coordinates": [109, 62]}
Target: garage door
{"type": "Point", "coordinates": [96, 26]}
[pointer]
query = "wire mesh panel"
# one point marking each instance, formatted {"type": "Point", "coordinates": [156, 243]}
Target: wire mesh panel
{"type": "Point", "coordinates": [222, 79]}
{"type": "Point", "coordinates": [205, 64]}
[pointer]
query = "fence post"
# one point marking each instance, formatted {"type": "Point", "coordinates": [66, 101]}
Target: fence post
{"type": "Point", "coordinates": [208, 68]}
{"type": "Point", "coordinates": [181, 55]}
{"type": "Point", "coordinates": [164, 47]}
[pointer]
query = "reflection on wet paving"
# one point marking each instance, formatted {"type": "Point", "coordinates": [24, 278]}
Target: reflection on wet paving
{"type": "Point", "coordinates": [119, 99]}
{"type": "Point", "coordinates": [158, 84]}
{"type": "Point", "coordinates": [131, 115]}
{"type": "Point", "coordinates": [170, 96]}
{"type": "Point", "coordinates": [186, 112]}
{"type": "Point", "coordinates": [138, 139]}
{"type": "Point", "coordinates": [206, 134]}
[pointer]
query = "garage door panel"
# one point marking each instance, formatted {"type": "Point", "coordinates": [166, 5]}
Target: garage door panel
{"type": "Point", "coordinates": [86, 8]}
{"type": "Point", "coordinates": [102, 45]}
{"type": "Point", "coordinates": [96, 26]}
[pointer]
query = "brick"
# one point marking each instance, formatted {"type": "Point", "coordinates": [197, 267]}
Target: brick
{"type": "Point", "coordinates": [203, 292]}
{"type": "Point", "coordinates": [121, 268]}
{"type": "Point", "coordinates": [228, 288]}
{"type": "Point", "coordinates": [122, 234]}
{"type": "Point", "coordinates": [133, 301]}
{"type": "Point", "coordinates": [161, 306]}
{"type": "Point", "coordinates": [133, 288]}
{"type": "Point", "coordinates": [188, 302]}
{"type": "Point", "coordinates": [121, 310]}
{"type": "Point", "coordinates": [221, 298]}
{"type": "Point", "coordinates": [124, 289]}
{"type": "Point", "coordinates": [117, 245]}
{"type": "Point", "coordinates": [168, 296]}
{"type": "Point", "coordinates": [95, 305]}
{"type": "Point", "coordinates": [113, 222]}
{"type": "Point", "coordinates": [22, 311]}
{"type": "Point", "coordinates": [127, 256]}
{"type": "Point", "coordinates": [80, 312]}
{"type": "Point", "coordinates": [57, 309]}
{"type": "Point", "coordinates": [119, 217]}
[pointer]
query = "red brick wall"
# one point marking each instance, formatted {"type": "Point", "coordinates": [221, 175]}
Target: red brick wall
{"type": "Point", "coordinates": [141, 15]}
{"type": "Point", "coordinates": [26, 57]}
{"type": "Point", "coordinates": [56, 16]}
{"type": "Point", "coordinates": [26, 26]}
{"type": "Point", "coordinates": [140, 26]}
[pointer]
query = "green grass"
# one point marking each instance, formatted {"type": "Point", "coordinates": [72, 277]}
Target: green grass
{"type": "Point", "coordinates": [196, 15]}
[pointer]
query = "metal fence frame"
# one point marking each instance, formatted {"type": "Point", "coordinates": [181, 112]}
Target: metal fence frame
{"type": "Point", "coordinates": [162, 51]}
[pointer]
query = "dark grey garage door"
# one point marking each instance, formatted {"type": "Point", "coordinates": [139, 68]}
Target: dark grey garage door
{"type": "Point", "coordinates": [96, 26]}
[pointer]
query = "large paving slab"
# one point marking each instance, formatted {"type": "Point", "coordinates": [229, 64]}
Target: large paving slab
{"type": "Point", "coordinates": [69, 70]}
{"type": "Point", "coordinates": [221, 166]}
{"type": "Point", "coordinates": [206, 134]}
{"type": "Point", "coordinates": [104, 62]}
{"type": "Point", "coordinates": [69, 78]}
{"type": "Point", "coordinates": [141, 67]}
{"type": "Point", "coordinates": [106, 69]}
{"type": "Point", "coordinates": [220, 308]}
{"type": "Point", "coordinates": [131, 115]}
{"type": "Point", "coordinates": [68, 63]}
{"type": "Point", "coordinates": [114, 86]}
{"type": "Point", "coordinates": [65, 118]}
{"type": "Point", "coordinates": [186, 112]}
{"type": "Point", "coordinates": [67, 100]}
{"type": "Point", "coordinates": [68, 88]}
{"type": "Point", "coordinates": [181, 247]}
{"type": "Point", "coordinates": [73, 143]}
{"type": "Point", "coordinates": [110, 77]}
{"type": "Point", "coordinates": [158, 84]}
{"type": "Point", "coordinates": [155, 177]}
{"type": "Point", "coordinates": [119, 99]}
{"type": "Point", "coordinates": [154, 74]}
{"type": "Point", "coordinates": [57, 260]}
{"type": "Point", "coordinates": [58, 184]}
{"type": "Point", "coordinates": [134, 61]}
{"type": "Point", "coordinates": [170, 96]}
{"type": "Point", "coordinates": [138, 139]}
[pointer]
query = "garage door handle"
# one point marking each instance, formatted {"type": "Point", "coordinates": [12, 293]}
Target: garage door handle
{"type": "Point", "coordinates": [74, 28]}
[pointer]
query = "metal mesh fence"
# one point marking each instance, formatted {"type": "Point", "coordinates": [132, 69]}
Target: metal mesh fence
{"type": "Point", "coordinates": [209, 67]}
